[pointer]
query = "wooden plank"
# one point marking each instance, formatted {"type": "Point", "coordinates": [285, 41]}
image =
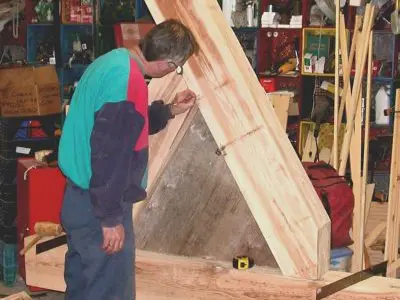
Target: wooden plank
{"type": "Point", "coordinates": [164, 277]}
{"type": "Point", "coordinates": [360, 65]}
{"type": "Point", "coordinates": [258, 152]}
{"type": "Point", "coordinates": [393, 219]}
{"type": "Point", "coordinates": [280, 103]}
{"type": "Point", "coordinates": [358, 216]}
{"type": "Point", "coordinates": [335, 148]}
{"type": "Point", "coordinates": [355, 149]}
{"type": "Point", "coordinates": [198, 190]}
{"type": "Point", "coordinates": [364, 183]}
{"type": "Point", "coordinates": [18, 296]}
{"type": "Point", "coordinates": [377, 215]}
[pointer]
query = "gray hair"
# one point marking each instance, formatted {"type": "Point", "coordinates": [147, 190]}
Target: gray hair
{"type": "Point", "coordinates": [169, 40]}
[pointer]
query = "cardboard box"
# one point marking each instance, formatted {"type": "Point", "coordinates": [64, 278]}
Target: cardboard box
{"type": "Point", "coordinates": [29, 91]}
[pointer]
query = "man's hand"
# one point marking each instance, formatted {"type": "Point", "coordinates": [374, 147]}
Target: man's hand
{"type": "Point", "coordinates": [182, 102]}
{"type": "Point", "coordinates": [113, 239]}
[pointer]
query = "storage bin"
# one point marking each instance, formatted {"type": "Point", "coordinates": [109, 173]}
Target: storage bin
{"type": "Point", "coordinates": [8, 263]}
{"type": "Point", "coordinates": [341, 259]}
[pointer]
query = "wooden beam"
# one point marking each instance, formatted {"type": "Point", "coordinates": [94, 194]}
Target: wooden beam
{"type": "Point", "coordinates": [18, 296]}
{"type": "Point", "coordinates": [360, 65]}
{"type": "Point", "coordinates": [364, 183]}
{"type": "Point", "coordinates": [336, 126]}
{"type": "Point", "coordinates": [257, 150]}
{"type": "Point", "coordinates": [164, 277]}
{"type": "Point", "coordinates": [355, 145]}
{"type": "Point", "coordinates": [393, 219]}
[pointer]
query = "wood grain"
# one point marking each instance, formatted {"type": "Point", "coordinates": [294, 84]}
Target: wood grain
{"type": "Point", "coordinates": [393, 219]}
{"type": "Point", "coordinates": [260, 156]}
{"type": "Point", "coordinates": [164, 277]}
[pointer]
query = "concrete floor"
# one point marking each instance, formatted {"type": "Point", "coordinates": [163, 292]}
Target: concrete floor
{"type": "Point", "coordinates": [20, 286]}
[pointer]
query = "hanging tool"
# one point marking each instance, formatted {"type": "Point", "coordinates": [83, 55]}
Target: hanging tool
{"type": "Point", "coordinates": [43, 229]}
{"type": "Point", "coordinates": [348, 281]}
{"type": "Point", "coordinates": [242, 262]}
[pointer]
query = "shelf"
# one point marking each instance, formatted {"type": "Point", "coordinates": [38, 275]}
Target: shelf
{"type": "Point", "coordinates": [245, 28]}
{"type": "Point", "coordinates": [318, 74]}
{"type": "Point", "coordinates": [77, 24]}
{"type": "Point", "coordinates": [263, 75]}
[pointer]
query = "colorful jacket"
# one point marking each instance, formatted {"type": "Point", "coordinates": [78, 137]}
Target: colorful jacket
{"type": "Point", "coordinates": [104, 142]}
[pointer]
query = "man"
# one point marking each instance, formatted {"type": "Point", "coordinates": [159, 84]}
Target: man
{"type": "Point", "coordinates": [104, 154]}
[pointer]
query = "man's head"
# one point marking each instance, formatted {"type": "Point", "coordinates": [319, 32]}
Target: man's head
{"type": "Point", "coordinates": [167, 47]}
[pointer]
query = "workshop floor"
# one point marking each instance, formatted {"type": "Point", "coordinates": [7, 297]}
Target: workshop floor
{"type": "Point", "coordinates": [20, 286]}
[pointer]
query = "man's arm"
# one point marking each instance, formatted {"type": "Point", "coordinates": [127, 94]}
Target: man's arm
{"type": "Point", "coordinates": [159, 115]}
{"type": "Point", "coordinates": [116, 129]}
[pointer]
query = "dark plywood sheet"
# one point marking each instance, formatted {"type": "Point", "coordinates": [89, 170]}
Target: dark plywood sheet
{"type": "Point", "coordinates": [197, 208]}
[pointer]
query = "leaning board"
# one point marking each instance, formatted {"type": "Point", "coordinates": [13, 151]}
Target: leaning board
{"type": "Point", "coordinates": [258, 152]}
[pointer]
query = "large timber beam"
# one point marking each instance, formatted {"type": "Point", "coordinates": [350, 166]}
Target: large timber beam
{"type": "Point", "coordinates": [164, 277]}
{"type": "Point", "coordinates": [257, 150]}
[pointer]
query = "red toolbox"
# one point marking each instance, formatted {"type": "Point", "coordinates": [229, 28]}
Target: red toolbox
{"type": "Point", "coordinates": [40, 191]}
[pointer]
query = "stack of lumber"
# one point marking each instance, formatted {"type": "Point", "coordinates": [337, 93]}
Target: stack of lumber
{"type": "Point", "coordinates": [360, 53]}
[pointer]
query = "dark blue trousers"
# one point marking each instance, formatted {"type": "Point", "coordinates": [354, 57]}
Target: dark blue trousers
{"type": "Point", "coordinates": [91, 274]}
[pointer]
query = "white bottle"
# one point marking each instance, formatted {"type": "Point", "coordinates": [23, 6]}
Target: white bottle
{"type": "Point", "coordinates": [382, 102]}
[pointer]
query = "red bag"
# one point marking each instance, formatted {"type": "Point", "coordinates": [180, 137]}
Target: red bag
{"type": "Point", "coordinates": [337, 197]}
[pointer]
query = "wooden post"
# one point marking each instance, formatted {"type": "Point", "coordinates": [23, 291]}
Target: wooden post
{"type": "Point", "coordinates": [355, 145]}
{"type": "Point", "coordinates": [393, 219]}
{"type": "Point", "coordinates": [336, 126]}
{"type": "Point", "coordinates": [364, 38]}
{"type": "Point", "coordinates": [255, 146]}
{"type": "Point", "coordinates": [363, 205]}
{"type": "Point", "coordinates": [350, 60]}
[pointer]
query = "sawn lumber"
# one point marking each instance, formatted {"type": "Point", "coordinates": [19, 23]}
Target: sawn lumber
{"type": "Point", "coordinates": [164, 277]}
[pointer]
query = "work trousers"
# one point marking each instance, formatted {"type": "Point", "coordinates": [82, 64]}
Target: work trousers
{"type": "Point", "coordinates": [90, 273]}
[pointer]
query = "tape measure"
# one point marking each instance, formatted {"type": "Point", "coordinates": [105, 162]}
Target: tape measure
{"type": "Point", "coordinates": [242, 262]}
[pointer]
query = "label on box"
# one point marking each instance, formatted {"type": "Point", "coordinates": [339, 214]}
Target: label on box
{"type": "Point", "coordinates": [22, 150]}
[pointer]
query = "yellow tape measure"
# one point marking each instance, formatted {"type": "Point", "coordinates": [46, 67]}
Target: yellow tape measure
{"type": "Point", "coordinates": [242, 262]}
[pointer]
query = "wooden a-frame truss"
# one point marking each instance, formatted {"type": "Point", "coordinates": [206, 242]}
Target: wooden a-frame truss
{"type": "Point", "coordinates": [265, 166]}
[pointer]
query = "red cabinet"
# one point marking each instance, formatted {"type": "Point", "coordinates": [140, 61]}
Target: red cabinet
{"type": "Point", "coordinates": [40, 192]}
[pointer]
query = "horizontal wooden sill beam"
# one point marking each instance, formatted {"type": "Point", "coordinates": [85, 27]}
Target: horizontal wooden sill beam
{"type": "Point", "coordinates": [162, 277]}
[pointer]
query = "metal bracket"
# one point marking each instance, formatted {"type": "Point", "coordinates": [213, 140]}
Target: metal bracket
{"type": "Point", "coordinates": [348, 281]}
{"type": "Point", "coordinates": [221, 150]}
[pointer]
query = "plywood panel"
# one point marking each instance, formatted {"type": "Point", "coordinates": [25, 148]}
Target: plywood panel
{"type": "Point", "coordinates": [197, 208]}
